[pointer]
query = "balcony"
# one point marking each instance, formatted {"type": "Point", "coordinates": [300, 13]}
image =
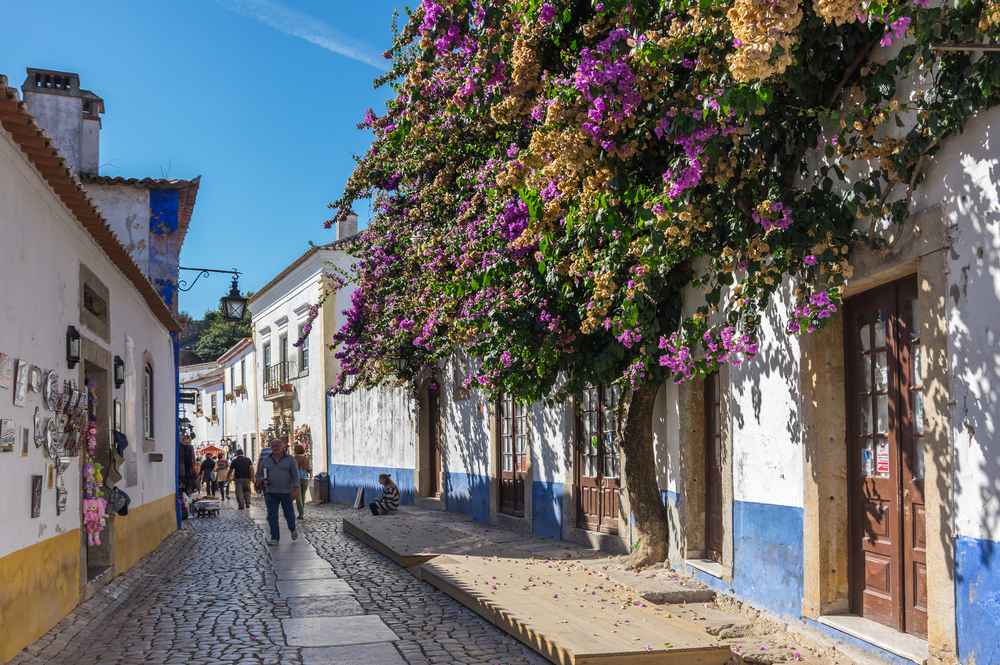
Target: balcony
{"type": "Point", "coordinates": [278, 380]}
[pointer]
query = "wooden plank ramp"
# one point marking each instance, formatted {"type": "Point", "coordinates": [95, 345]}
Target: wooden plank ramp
{"type": "Point", "coordinates": [545, 596]}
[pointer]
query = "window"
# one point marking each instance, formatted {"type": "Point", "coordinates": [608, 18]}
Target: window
{"type": "Point", "coordinates": [215, 407]}
{"type": "Point", "coordinates": [303, 351]}
{"type": "Point", "coordinates": [283, 372]}
{"type": "Point", "coordinates": [267, 362]}
{"type": "Point", "coordinates": [232, 378]}
{"type": "Point", "coordinates": [243, 372]}
{"type": "Point", "coordinates": [147, 401]}
{"type": "Point", "coordinates": [198, 405]}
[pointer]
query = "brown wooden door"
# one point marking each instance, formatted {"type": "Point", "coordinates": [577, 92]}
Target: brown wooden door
{"type": "Point", "coordinates": [598, 475]}
{"type": "Point", "coordinates": [912, 471]}
{"type": "Point", "coordinates": [887, 525]}
{"type": "Point", "coordinates": [512, 426]}
{"type": "Point", "coordinates": [713, 469]}
{"type": "Point", "coordinates": [433, 440]}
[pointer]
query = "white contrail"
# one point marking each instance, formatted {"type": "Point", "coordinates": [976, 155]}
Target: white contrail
{"type": "Point", "coordinates": [301, 25]}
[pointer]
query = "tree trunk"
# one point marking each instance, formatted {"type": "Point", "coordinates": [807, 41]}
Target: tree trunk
{"type": "Point", "coordinates": [635, 422]}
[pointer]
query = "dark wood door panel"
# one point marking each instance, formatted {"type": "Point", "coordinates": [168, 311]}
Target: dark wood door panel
{"type": "Point", "coordinates": [885, 394]}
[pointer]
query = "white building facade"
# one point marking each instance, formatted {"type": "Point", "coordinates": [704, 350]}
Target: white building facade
{"type": "Point", "coordinates": [846, 480]}
{"type": "Point", "coordinates": [293, 380]}
{"type": "Point", "coordinates": [77, 316]}
{"type": "Point", "coordinates": [239, 411]}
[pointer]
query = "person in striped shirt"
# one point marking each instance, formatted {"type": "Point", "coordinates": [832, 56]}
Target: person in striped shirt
{"type": "Point", "coordinates": [389, 502]}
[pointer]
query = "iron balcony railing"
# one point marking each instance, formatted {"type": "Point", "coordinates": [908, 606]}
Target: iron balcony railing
{"type": "Point", "coordinates": [279, 375]}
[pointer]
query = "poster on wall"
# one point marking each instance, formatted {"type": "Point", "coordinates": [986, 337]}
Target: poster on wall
{"type": "Point", "coordinates": [21, 382]}
{"type": "Point", "coordinates": [6, 371]}
{"type": "Point", "coordinates": [36, 496]}
{"type": "Point", "coordinates": [882, 460]}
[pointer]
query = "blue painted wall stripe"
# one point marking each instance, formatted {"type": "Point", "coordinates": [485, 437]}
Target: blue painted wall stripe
{"type": "Point", "coordinates": [767, 553]}
{"type": "Point", "coordinates": [345, 479]}
{"type": "Point", "coordinates": [469, 494]}
{"type": "Point", "coordinates": [546, 509]}
{"type": "Point", "coordinates": [977, 600]}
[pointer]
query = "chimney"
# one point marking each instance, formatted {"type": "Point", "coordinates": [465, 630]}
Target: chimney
{"type": "Point", "coordinates": [71, 117]}
{"type": "Point", "coordinates": [348, 227]}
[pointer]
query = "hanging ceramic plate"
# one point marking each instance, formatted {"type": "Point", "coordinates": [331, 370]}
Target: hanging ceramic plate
{"type": "Point", "coordinates": [50, 390]}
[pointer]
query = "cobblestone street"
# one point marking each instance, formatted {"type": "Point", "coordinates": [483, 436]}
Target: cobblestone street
{"type": "Point", "coordinates": [216, 593]}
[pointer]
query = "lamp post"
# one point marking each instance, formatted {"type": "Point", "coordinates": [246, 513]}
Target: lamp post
{"type": "Point", "coordinates": [232, 305]}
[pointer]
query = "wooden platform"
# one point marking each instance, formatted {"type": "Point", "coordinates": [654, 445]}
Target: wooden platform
{"type": "Point", "coordinates": [542, 592]}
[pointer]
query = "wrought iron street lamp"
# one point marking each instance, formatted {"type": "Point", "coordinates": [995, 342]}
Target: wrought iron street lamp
{"type": "Point", "coordinates": [232, 305]}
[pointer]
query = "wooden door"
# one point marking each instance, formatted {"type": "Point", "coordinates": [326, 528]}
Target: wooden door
{"type": "Point", "coordinates": [887, 525]}
{"type": "Point", "coordinates": [512, 427]}
{"type": "Point", "coordinates": [912, 472]}
{"type": "Point", "coordinates": [713, 469]}
{"type": "Point", "coordinates": [597, 464]}
{"type": "Point", "coordinates": [433, 442]}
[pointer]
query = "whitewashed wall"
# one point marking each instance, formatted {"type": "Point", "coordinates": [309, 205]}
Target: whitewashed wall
{"type": "Point", "coordinates": [127, 211]}
{"type": "Point", "coordinates": [964, 178]}
{"type": "Point", "coordinates": [240, 417]}
{"type": "Point", "coordinates": [374, 428]}
{"type": "Point", "coordinates": [43, 246]}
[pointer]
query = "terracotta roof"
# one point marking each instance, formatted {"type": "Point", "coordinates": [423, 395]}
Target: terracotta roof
{"type": "Point", "coordinates": [188, 191]}
{"type": "Point", "coordinates": [38, 149]}
{"type": "Point", "coordinates": [336, 245]}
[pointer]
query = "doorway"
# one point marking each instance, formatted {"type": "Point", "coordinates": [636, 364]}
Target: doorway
{"type": "Point", "coordinates": [713, 469]}
{"type": "Point", "coordinates": [885, 424]}
{"type": "Point", "coordinates": [598, 475]}
{"type": "Point", "coordinates": [99, 558]}
{"type": "Point", "coordinates": [433, 440]}
{"type": "Point", "coordinates": [513, 456]}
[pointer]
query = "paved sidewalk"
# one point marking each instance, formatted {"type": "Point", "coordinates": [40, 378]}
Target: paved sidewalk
{"type": "Point", "coordinates": [577, 605]}
{"type": "Point", "coordinates": [214, 593]}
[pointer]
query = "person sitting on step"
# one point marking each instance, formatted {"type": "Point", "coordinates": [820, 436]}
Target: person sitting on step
{"type": "Point", "coordinates": [389, 502]}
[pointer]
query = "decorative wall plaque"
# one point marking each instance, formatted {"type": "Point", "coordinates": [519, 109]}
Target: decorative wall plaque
{"type": "Point", "coordinates": [60, 495]}
{"type": "Point", "coordinates": [50, 390]}
{"type": "Point", "coordinates": [6, 371]}
{"type": "Point", "coordinates": [8, 435]}
{"type": "Point", "coordinates": [21, 382]}
{"type": "Point", "coordinates": [35, 375]}
{"type": "Point", "coordinates": [39, 426]}
{"type": "Point", "coordinates": [36, 496]}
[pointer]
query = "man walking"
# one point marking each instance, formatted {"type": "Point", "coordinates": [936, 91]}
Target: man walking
{"type": "Point", "coordinates": [208, 474]}
{"type": "Point", "coordinates": [242, 470]}
{"type": "Point", "coordinates": [278, 479]}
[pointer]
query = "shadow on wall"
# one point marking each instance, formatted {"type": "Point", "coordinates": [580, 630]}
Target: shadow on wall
{"type": "Point", "coordinates": [465, 433]}
{"type": "Point", "coordinates": [549, 469]}
{"type": "Point", "coordinates": [971, 184]}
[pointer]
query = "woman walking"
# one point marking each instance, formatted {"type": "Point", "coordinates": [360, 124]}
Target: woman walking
{"type": "Point", "coordinates": [304, 463]}
{"type": "Point", "coordinates": [222, 477]}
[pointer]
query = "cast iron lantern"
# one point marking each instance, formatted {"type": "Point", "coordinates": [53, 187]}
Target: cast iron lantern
{"type": "Point", "coordinates": [233, 305]}
{"type": "Point", "coordinates": [72, 347]}
{"type": "Point", "coordinates": [119, 372]}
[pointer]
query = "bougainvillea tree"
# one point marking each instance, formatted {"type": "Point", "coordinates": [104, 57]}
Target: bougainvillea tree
{"type": "Point", "coordinates": [553, 177]}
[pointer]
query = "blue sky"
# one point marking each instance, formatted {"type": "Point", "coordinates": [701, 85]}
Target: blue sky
{"type": "Point", "coordinates": [259, 97]}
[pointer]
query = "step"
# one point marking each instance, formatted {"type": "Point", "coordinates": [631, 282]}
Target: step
{"type": "Point", "coordinates": [568, 615]}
